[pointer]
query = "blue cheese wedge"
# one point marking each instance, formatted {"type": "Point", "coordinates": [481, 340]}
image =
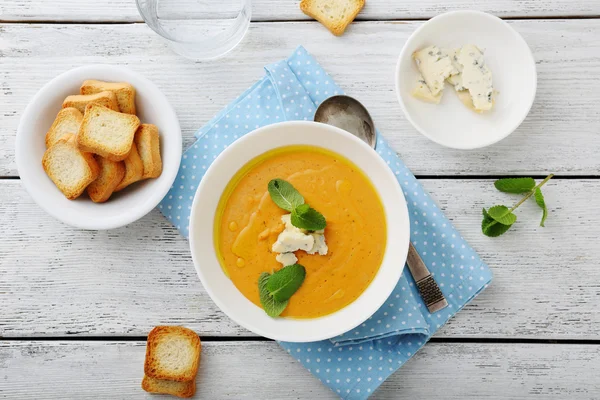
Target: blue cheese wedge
{"type": "Point", "coordinates": [292, 239]}
{"type": "Point", "coordinates": [422, 92]}
{"type": "Point", "coordinates": [476, 77]}
{"type": "Point", "coordinates": [435, 67]}
{"type": "Point", "coordinates": [455, 79]}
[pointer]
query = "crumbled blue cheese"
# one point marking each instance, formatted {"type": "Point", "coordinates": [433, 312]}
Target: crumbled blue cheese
{"type": "Point", "coordinates": [476, 77]}
{"type": "Point", "coordinates": [435, 66]}
{"type": "Point", "coordinates": [292, 239]}
{"type": "Point", "coordinates": [320, 246]}
{"type": "Point", "coordinates": [286, 259]}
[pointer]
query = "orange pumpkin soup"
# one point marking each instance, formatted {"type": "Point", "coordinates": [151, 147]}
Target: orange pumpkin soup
{"type": "Point", "coordinates": [248, 223]}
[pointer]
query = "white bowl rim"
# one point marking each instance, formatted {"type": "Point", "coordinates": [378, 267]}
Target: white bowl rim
{"type": "Point", "coordinates": [451, 14]}
{"type": "Point", "coordinates": [109, 222]}
{"type": "Point", "coordinates": [383, 293]}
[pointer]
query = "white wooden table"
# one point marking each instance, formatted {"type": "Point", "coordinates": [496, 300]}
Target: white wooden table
{"type": "Point", "coordinates": [75, 306]}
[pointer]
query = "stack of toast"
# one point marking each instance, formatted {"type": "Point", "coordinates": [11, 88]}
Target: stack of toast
{"type": "Point", "coordinates": [98, 143]}
{"type": "Point", "coordinates": [172, 360]}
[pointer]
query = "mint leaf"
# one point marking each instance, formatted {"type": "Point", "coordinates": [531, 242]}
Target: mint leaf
{"type": "Point", "coordinates": [308, 218]}
{"type": "Point", "coordinates": [502, 214]}
{"type": "Point", "coordinates": [539, 199]}
{"type": "Point", "coordinates": [285, 282]}
{"type": "Point", "coordinates": [271, 306]}
{"type": "Point", "coordinates": [491, 227]}
{"type": "Point", "coordinates": [302, 209]}
{"type": "Point", "coordinates": [284, 194]}
{"type": "Point", "coordinates": [515, 185]}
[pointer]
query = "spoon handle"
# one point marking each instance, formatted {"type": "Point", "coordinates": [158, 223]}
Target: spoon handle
{"type": "Point", "coordinates": [428, 288]}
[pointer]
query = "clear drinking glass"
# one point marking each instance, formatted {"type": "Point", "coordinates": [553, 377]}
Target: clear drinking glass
{"type": "Point", "coordinates": [198, 29]}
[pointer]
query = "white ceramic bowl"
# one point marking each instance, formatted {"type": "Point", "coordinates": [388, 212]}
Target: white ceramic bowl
{"type": "Point", "coordinates": [450, 123]}
{"type": "Point", "coordinates": [123, 207]}
{"type": "Point", "coordinates": [222, 290]}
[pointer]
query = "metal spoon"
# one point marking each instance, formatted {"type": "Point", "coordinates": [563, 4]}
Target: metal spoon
{"type": "Point", "coordinates": [349, 114]}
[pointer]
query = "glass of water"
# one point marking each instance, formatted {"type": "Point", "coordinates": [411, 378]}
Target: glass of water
{"type": "Point", "coordinates": [198, 29]}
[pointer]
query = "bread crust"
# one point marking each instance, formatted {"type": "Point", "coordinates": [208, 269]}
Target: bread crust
{"type": "Point", "coordinates": [111, 174]}
{"type": "Point", "coordinates": [147, 141]}
{"type": "Point", "coordinates": [134, 169]}
{"type": "Point", "coordinates": [110, 151]}
{"type": "Point", "coordinates": [338, 27]}
{"type": "Point", "coordinates": [161, 386]}
{"type": "Point", "coordinates": [124, 92]}
{"type": "Point", "coordinates": [67, 121]}
{"type": "Point", "coordinates": [156, 337]}
{"type": "Point", "coordinates": [91, 173]}
{"type": "Point", "coordinates": [80, 102]}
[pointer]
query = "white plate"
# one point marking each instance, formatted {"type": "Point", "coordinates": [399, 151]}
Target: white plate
{"type": "Point", "coordinates": [123, 207]}
{"type": "Point", "coordinates": [450, 123]}
{"type": "Point", "coordinates": [222, 290]}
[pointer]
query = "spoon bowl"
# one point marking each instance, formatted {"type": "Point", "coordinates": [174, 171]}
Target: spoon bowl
{"type": "Point", "coordinates": [349, 114]}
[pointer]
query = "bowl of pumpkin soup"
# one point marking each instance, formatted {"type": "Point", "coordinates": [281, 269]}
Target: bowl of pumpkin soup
{"type": "Point", "coordinates": [299, 231]}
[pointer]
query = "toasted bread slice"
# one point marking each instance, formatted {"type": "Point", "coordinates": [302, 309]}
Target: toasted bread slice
{"type": "Point", "coordinates": [111, 174]}
{"type": "Point", "coordinates": [78, 101]}
{"type": "Point", "coordinates": [172, 353]}
{"type": "Point", "coordinates": [148, 145]}
{"type": "Point", "coordinates": [336, 15]}
{"type": "Point", "coordinates": [106, 132]}
{"type": "Point", "coordinates": [163, 386]}
{"type": "Point", "coordinates": [124, 91]}
{"type": "Point", "coordinates": [67, 122]}
{"type": "Point", "coordinates": [71, 169]}
{"type": "Point", "coordinates": [134, 169]}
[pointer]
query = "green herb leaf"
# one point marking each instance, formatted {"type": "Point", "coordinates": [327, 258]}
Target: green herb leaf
{"type": "Point", "coordinates": [308, 218]}
{"type": "Point", "coordinates": [285, 282]}
{"type": "Point", "coordinates": [515, 185]}
{"type": "Point", "coordinates": [271, 306]}
{"type": "Point", "coordinates": [502, 214]}
{"type": "Point", "coordinates": [284, 194]}
{"type": "Point", "coordinates": [302, 209]}
{"type": "Point", "coordinates": [539, 199]}
{"type": "Point", "coordinates": [491, 227]}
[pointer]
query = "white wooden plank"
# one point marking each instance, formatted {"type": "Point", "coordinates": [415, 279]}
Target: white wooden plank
{"type": "Point", "coordinates": [560, 135]}
{"type": "Point", "coordinates": [250, 370]}
{"type": "Point", "coordinates": [55, 280]}
{"type": "Point", "coordinates": [276, 10]}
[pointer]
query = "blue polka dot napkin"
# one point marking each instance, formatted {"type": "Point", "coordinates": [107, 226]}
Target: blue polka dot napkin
{"type": "Point", "coordinates": [354, 364]}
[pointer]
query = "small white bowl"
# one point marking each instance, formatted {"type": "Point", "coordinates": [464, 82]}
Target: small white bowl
{"type": "Point", "coordinates": [450, 123]}
{"type": "Point", "coordinates": [123, 207]}
{"type": "Point", "coordinates": [222, 290]}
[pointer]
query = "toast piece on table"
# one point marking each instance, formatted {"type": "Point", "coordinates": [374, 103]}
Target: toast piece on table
{"type": "Point", "coordinates": [71, 169]}
{"type": "Point", "coordinates": [78, 101]}
{"type": "Point", "coordinates": [163, 386]}
{"type": "Point", "coordinates": [124, 92]}
{"type": "Point", "coordinates": [134, 169]}
{"type": "Point", "coordinates": [172, 353]}
{"type": "Point", "coordinates": [148, 145]}
{"type": "Point", "coordinates": [67, 122]}
{"type": "Point", "coordinates": [106, 132]}
{"type": "Point", "coordinates": [336, 15]}
{"type": "Point", "coordinates": [111, 174]}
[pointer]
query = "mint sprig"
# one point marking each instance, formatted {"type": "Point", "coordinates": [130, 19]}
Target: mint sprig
{"type": "Point", "coordinates": [308, 218]}
{"type": "Point", "coordinates": [285, 195]}
{"type": "Point", "coordinates": [288, 198]}
{"type": "Point", "coordinates": [498, 219]}
{"type": "Point", "coordinates": [285, 282]}
{"type": "Point", "coordinates": [271, 306]}
{"type": "Point", "coordinates": [275, 290]}
{"type": "Point", "coordinates": [515, 185]}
